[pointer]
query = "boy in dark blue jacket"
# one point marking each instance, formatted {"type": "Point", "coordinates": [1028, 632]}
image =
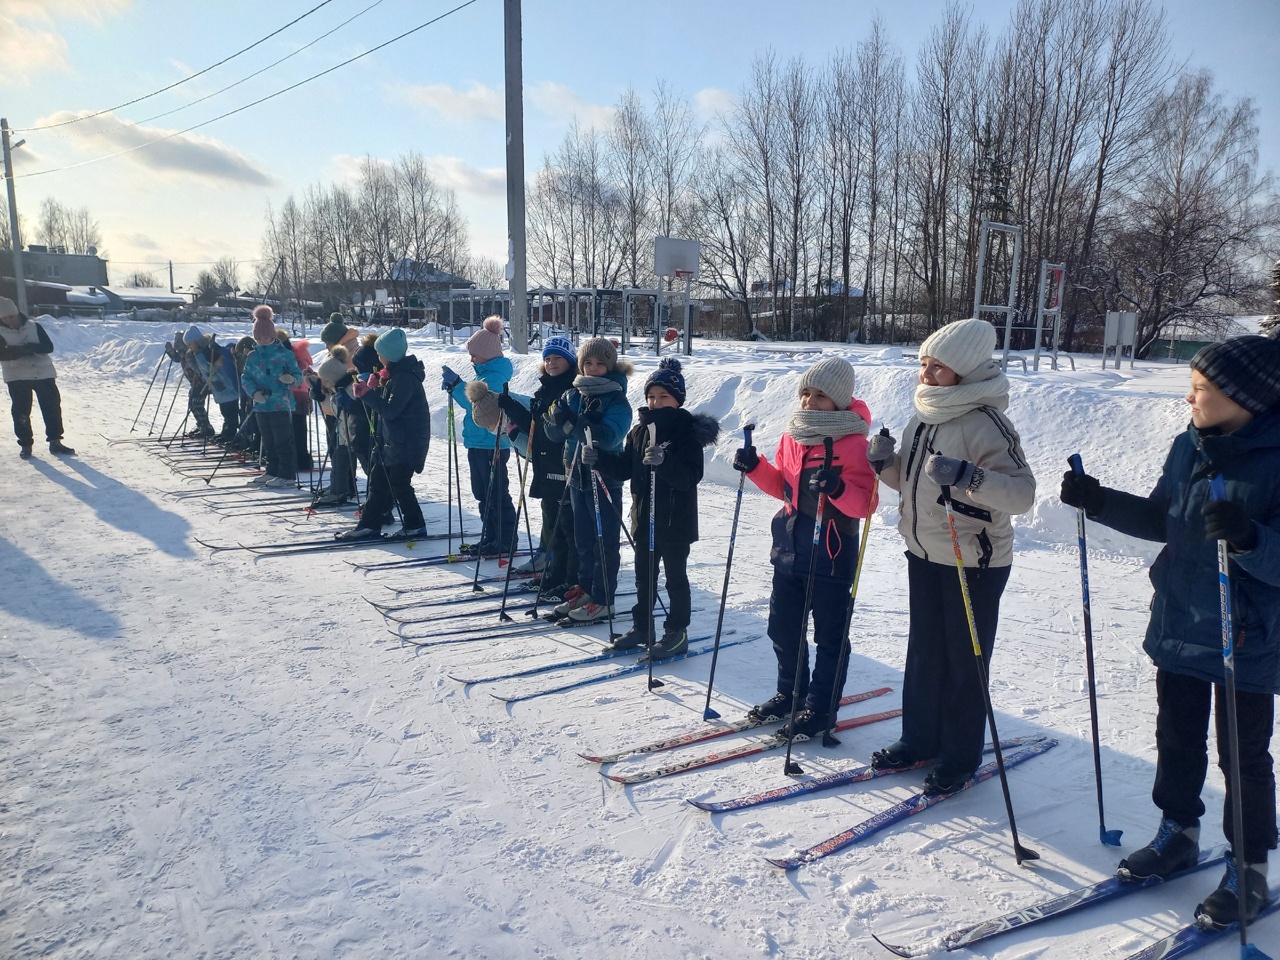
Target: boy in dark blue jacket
{"type": "Point", "coordinates": [1235, 433]}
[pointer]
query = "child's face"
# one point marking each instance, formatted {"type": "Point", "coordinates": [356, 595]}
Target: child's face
{"type": "Point", "coordinates": [594, 368]}
{"type": "Point", "coordinates": [813, 399]}
{"type": "Point", "coordinates": [555, 365]}
{"type": "Point", "coordinates": [1210, 407]}
{"type": "Point", "coordinates": [935, 374]}
{"type": "Point", "coordinates": [657, 398]}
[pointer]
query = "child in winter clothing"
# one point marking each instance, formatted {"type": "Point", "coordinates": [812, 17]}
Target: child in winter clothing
{"type": "Point", "coordinates": [301, 399]}
{"type": "Point", "coordinates": [217, 368]}
{"type": "Point", "coordinates": [489, 485]}
{"type": "Point", "coordinates": [270, 372]}
{"type": "Point", "coordinates": [1234, 433]}
{"type": "Point", "coordinates": [248, 437]}
{"type": "Point", "coordinates": [961, 444]}
{"type": "Point", "coordinates": [557, 558]}
{"type": "Point", "coordinates": [797, 477]}
{"type": "Point", "coordinates": [402, 439]}
{"type": "Point", "coordinates": [182, 352]}
{"type": "Point", "coordinates": [597, 403]}
{"type": "Point", "coordinates": [334, 334]}
{"type": "Point", "coordinates": [665, 448]}
{"type": "Point", "coordinates": [334, 391]}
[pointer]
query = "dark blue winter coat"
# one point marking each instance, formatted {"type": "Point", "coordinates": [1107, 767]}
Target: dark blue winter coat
{"type": "Point", "coordinates": [404, 419]}
{"type": "Point", "coordinates": [606, 415]}
{"type": "Point", "coordinates": [1185, 633]}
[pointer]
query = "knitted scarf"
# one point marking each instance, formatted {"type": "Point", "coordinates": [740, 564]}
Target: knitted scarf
{"type": "Point", "coordinates": [810, 427]}
{"type": "Point", "coordinates": [985, 387]}
{"type": "Point", "coordinates": [596, 386]}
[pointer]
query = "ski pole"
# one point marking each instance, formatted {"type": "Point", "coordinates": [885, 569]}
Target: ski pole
{"type": "Point", "coordinates": [1110, 837]}
{"type": "Point", "coordinates": [596, 483]}
{"type": "Point", "coordinates": [829, 739]}
{"type": "Point", "coordinates": [451, 451]}
{"type": "Point", "coordinates": [654, 684]}
{"type": "Point", "coordinates": [1020, 852]}
{"type": "Point", "coordinates": [564, 505]}
{"type": "Point", "coordinates": [1218, 490]}
{"type": "Point", "coordinates": [227, 449]}
{"type": "Point", "coordinates": [164, 384]}
{"type": "Point", "coordinates": [488, 506]}
{"type": "Point", "coordinates": [790, 767]}
{"type": "Point", "coordinates": [159, 364]}
{"type": "Point", "coordinates": [707, 712]}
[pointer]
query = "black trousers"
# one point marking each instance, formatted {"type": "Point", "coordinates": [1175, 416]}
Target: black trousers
{"type": "Point", "coordinates": [497, 512]}
{"type": "Point", "coordinates": [675, 563]}
{"type": "Point", "coordinates": [301, 447]}
{"type": "Point", "coordinates": [50, 400]}
{"type": "Point", "coordinates": [277, 443]}
{"type": "Point", "coordinates": [230, 418]}
{"type": "Point", "coordinates": [557, 540]}
{"type": "Point", "coordinates": [944, 707]}
{"type": "Point", "coordinates": [389, 485]}
{"type": "Point", "coordinates": [1182, 757]}
{"type": "Point", "coordinates": [830, 605]}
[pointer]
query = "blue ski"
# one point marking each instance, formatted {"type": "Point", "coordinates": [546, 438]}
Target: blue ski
{"type": "Point", "coordinates": [1193, 936]}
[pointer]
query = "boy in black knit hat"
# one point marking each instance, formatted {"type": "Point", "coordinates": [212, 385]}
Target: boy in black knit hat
{"type": "Point", "coordinates": [1234, 433]}
{"type": "Point", "coordinates": [675, 459]}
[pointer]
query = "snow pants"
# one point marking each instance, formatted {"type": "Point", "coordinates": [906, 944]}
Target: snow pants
{"type": "Point", "coordinates": [675, 562]}
{"type": "Point", "coordinates": [387, 485]}
{"type": "Point", "coordinates": [1182, 757]}
{"type": "Point", "coordinates": [497, 512]}
{"type": "Point", "coordinates": [50, 400]}
{"type": "Point", "coordinates": [597, 574]}
{"type": "Point", "coordinates": [944, 707]}
{"type": "Point", "coordinates": [830, 605]}
{"type": "Point", "coordinates": [557, 540]}
{"type": "Point", "coordinates": [277, 443]}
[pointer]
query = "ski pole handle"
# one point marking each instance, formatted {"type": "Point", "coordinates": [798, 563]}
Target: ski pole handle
{"type": "Point", "coordinates": [828, 452]}
{"type": "Point", "coordinates": [746, 434]}
{"type": "Point", "coordinates": [1218, 487]}
{"type": "Point", "coordinates": [1076, 464]}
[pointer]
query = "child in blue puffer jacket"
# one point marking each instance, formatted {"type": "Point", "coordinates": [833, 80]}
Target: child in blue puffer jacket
{"type": "Point", "coordinates": [269, 375]}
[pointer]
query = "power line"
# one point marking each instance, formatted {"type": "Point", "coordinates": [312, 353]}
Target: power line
{"type": "Point", "coordinates": [177, 83]}
{"type": "Point", "coordinates": [261, 100]}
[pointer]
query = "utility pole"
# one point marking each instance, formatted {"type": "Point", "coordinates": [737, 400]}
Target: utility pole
{"type": "Point", "coordinates": [171, 290]}
{"type": "Point", "coordinates": [516, 272]}
{"type": "Point", "coordinates": [19, 281]}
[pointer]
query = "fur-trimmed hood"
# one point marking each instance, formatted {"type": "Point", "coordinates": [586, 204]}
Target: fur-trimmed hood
{"type": "Point", "coordinates": [705, 429]}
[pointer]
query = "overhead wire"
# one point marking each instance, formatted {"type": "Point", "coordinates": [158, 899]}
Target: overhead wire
{"type": "Point", "coordinates": [177, 83]}
{"type": "Point", "coordinates": [247, 106]}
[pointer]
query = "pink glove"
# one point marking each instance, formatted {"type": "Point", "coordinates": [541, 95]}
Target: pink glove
{"type": "Point", "coordinates": [360, 388]}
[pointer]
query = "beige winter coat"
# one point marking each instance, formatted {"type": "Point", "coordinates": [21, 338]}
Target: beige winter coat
{"type": "Point", "coordinates": [33, 366]}
{"type": "Point", "coordinates": [984, 437]}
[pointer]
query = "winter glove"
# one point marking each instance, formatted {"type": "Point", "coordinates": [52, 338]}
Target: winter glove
{"type": "Point", "coordinates": [827, 481]}
{"type": "Point", "coordinates": [655, 454]}
{"type": "Point", "coordinates": [260, 395]}
{"type": "Point", "coordinates": [345, 382]}
{"type": "Point", "coordinates": [288, 379]}
{"type": "Point", "coordinates": [1082, 490]}
{"type": "Point", "coordinates": [880, 449]}
{"type": "Point", "coordinates": [363, 387]}
{"type": "Point", "coordinates": [377, 379]}
{"type": "Point", "coordinates": [1226, 520]}
{"type": "Point", "coordinates": [948, 471]}
{"type": "Point", "coordinates": [746, 459]}
{"type": "Point", "coordinates": [172, 352]}
{"type": "Point", "coordinates": [590, 455]}
{"type": "Point", "coordinates": [510, 405]}
{"type": "Point", "coordinates": [564, 417]}
{"type": "Point", "coordinates": [449, 380]}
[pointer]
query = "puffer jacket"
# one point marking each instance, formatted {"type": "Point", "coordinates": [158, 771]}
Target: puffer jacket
{"type": "Point", "coordinates": [787, 478]}
{"type": "Point", "coordinates": [677, 479]}
{"type": "Point", "coordinates": [986, 438]}
{"type": "Point", "coordinates": [1185, 632]}
{"type": "Point", "coordinates": [301, 392]}
{"type": "Point", "coordinates": [547, 456]}
{"type": "Point", "coordinates": [217, 367]}
{"type": "Point", "coordinates": [404, 418]}
{"type": "Point", "coordinates": [25, 352]}
{"type": "Point", "coordinates": [607, 415]}
{"type": "Point", "coordinates": [495, 373]}
{"type": "Point", "coordinates": [262, 371]}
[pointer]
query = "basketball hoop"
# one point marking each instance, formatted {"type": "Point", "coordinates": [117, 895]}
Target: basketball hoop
{"type": "Point", "coordinates": [683, 274]}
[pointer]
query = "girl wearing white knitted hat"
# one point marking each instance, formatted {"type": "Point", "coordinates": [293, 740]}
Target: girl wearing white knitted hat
{"type": "Point", "coordinates": [960, 442]}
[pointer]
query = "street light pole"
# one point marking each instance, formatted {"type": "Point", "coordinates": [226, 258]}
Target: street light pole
{"type": "Point", "coordinates": [19, 281]}
{"type": "Point", "coordinates": [515, 176]}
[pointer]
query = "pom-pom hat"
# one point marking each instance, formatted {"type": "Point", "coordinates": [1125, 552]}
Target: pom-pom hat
{"type": "Point", "coordinates": [334, 330]}
{"type": "Point", "coordinates": [962, 346]}
{"type": "Point", "coordinates": [486, 343]}
{"type": "Point", "coordinates": [1245, 369]}
{"type": "Point", "coordinates": [669, 377]}
{"type": "Point", "coordinates": [834, 377]}
{"type": "Point", "coordinates": [264, 324]}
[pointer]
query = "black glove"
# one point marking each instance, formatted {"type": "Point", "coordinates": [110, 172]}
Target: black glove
{"type": "Point", "coordinates": [1082, 490]}
{"type": "Point", "coordinates": [746, 459]}
{"type": "Point", "coordinates": [564, 417]}
{"type": "Point", "coordinates": [509, 405]}
{"type": "Point", "coordinates": [1226, 520]}
{"type": "Point", "coordinates": [827, 481]}
{"type": "Point", "coordinates": [449, 380]}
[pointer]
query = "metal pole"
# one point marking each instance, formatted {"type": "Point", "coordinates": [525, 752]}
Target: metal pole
{"type": "Point", "coordinates": [515, 175]}
{"type": "Point", "coordinates": [1044, 273]}
{"type": "Point", "coordinates": [19, 281]}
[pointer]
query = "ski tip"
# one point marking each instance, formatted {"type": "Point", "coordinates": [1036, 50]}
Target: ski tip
{"type": "Point", "coordinates": [591, 757]}
{"type": "Point", "coordinates": [1110, 837]}
{"type": "Point", "coordinates": [783, 863]}
{"type": "Point", "coordinates": [892, 947]}
{"type": "Point", "coordinates": [707, 805]}
{"type": "Point", "coordinates": [616, 778]}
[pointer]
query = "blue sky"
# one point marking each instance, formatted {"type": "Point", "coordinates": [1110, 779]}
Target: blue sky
{"type": "Point", "coordinates": [204, 195]}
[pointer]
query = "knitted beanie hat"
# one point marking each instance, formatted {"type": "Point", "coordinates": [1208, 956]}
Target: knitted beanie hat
{"type": "Point", "coordinates": [335, 367]}
{"type": "Point", "coordinates": [484, 404]}
{"type": "Point", "coordinates": [1245, 369]}
{"type": "Point", "coordinates": [486, 343]}
{"type": "Point", "coordinates": [264, 324]}
{"type": "Point", "coordinates": [598, 348]}
{"type": "Point", "coordinates": [192, 335]}
{"type": "Point", "coordinates": [334, 330]}
{"type": "Point", "coordinates": [560, 347]}
{"type": "Point", "coordinates": [834, 377]}
{"type": "Point", "coordinates": [393, 345]}
{"type": "Point", "coordinates": [963, 345]}
{"type": "Point", "coordinates": [670, 379]}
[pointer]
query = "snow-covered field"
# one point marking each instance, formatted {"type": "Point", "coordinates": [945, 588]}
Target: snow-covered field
{"type": "Point", "coordinates": [211, 756]}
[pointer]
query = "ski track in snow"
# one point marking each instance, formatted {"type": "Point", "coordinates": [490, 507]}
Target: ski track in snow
{"type": "Point", "coordinates": [222, 756]}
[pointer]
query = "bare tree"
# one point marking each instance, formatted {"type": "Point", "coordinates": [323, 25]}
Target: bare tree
{"type": "Point", "coordinates": [60, 227]}
{"type": "Point", "coordinates": [727, 222]}
{"type": "Point", "coordinates": [629, 167]}
{"type": "Point", "coordinates": [141, 278]}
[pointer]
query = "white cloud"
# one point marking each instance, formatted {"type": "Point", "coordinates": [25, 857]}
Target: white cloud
{"type": "Point", "coordinates": [184, 156]}
{"type": "Point", "coordinates": [460, 176]}
{"type": "Point", "coordinates": [479, 102]}
{"type": "Point", "coordinates": [559, 102]}
{"type": "Point", "coordinates": [30, 42]}
{"type": "Point", "coordinates": [711, 101]}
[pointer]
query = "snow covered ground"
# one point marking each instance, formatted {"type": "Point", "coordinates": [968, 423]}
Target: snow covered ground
{"type": "Point", "coordinates": [212, 756]}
